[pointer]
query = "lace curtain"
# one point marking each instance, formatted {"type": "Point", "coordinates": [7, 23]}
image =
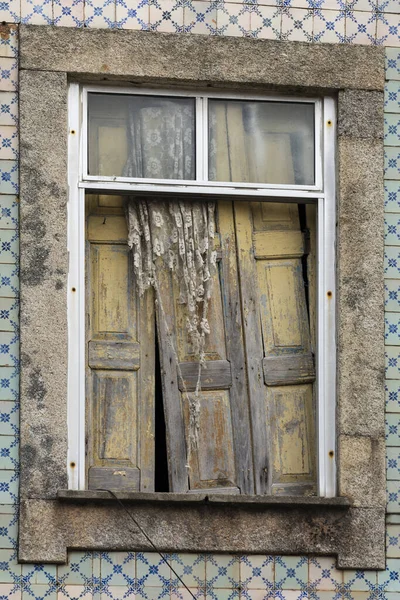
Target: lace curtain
{"type": "Point", "coordinates": [170, 234]}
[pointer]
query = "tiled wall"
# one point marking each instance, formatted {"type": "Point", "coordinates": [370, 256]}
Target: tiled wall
{"type": "Point", "coordinates": [143, 576]}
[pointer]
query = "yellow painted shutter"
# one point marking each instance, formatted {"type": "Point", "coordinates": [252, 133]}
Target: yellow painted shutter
{"type": "Point", "coordinates": [222, 458]}
{"type": "Point", "coordinates": [120, 358]}
{"type": "Point", "coordinates": [278, 341]}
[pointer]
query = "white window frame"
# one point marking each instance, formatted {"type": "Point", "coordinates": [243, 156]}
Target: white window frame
{"type": "Point", "coordinates": [322, 193]}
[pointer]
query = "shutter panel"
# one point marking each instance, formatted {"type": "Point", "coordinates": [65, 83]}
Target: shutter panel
{"type": "Point", "coordinates": [222, 459]}
{"type": "Point", "coordinates": [272, 286]}
{"type": "Point", "coordinates": [120, 358]}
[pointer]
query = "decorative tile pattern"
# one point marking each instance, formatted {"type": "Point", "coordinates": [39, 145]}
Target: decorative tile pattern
{"type": "Point", "coordinates": [392, 130]}
{"type": "Point", "coordinates": [392, 96]}
{"type": "Point", "coordinates": [392, 64]}
{"type": "Point", "coordinates": [388, 29]}
{"type": "Point", "coordinates": [392, 395]}
{"type": "Point", "coordinates": [392, 196]}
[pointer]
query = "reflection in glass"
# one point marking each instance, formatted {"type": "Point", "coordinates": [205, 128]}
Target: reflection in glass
{"type": "Point", "coordinates": [261, 142]}
{"type": "Point", "coordinates": [141, 136]}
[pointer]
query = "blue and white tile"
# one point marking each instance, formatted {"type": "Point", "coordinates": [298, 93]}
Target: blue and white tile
{"type": "Point", "coordinates": [133, 16]}
{"type": "Point", "coordinates": [392, 295]}
{"type": "Point", "coordinates": [388, 30]}
{"type": "Point", "coordinates": [329, 26]}
{"type": "Point", "coordinates": [200, 17]}
{"type": "Point", "coordinates": [392, 130]}
{"type": "Point", "coordinates": [392, 63]}
{"type": "Point", "coordinates": [8, 529]}
{"type": "Point", "coordinates": [9, 311]}
{"type": "Point", "coordinates": [291, 572]}
{"type": "Point", "coordinates": [8, 212]}
{"type": "Point", "coordinates": [391, 6]}
{"type": "Point", "coordinates": [392, 196]}
{"type": "Point", "coordinates": [9, 417]}
{"type": "Point", "coordinates": [151, 570]}
{"type": "Point", "coordinates": [392, 428]}
{"type": "Point", "coordinates": [10, 11]}
{"type": "Point", "coordinates": [8, 108]}
{"type": "Point", "coordinates": [9, 41]}
{"type": "Point", "coordinates": [9, 349]}
{"type": "Point", "coordinates": [78, 571]}
{"type": "Point", "coordinates": [8, 74]}
{"type": "Point", "coordinates": [392, 395]}
{"type": "Point", "coordinates": [190, 567]}
{"type": "Point", "coordinates": [234, 19]}
{"type": "Point", "coordinates": [100, 15]}
{"type": "Point", "coordinates": [222, 594]}
{"type": "Point", "coordinates": [390, 578]}
{"type": "Point", "coordinates": [392, 96]}
{"type": "Point", "coordinates": [392, 329]}
{"type": "Point", "coordinates": [393, 541]}
{"type": "Point", "coordinates": [9, 452]}
{"type": "Point", "coordinates": [393, 464]}
{"type": "Point", "coordinates": [40, 592]}
{"type": "Point", "coordinates": [74, 592]}
{"type": "Point", "coordinates": [9, 281]}
{"type": "Point", "coordinates": [9, 176]}
{"type": "Point", "coordinates": [222, 571]}
{"type": "Point", "coordinates": [257, 572]}
{"type": "Point", "coordinates": [165, 15]}
{"type": "Point", "coordinates": [392, 163]}
{"type": "Point", "coordinates": [265, 22]}
{"type": "Point", "coordinates": [9, 246]}
{"type": "Point", "coordinates": [36, 12]}
{"type": "Point", "coordinates": [297, 25]}
{"type": "Point", "coordinates": [323, 573]}
{"type": "Point", "coordinates": [68, 13]}
{"type": "Point", "coordinates": [117, 568]}
{"type": "Point", "coordinates": [359, 581]}
{"type": "Point", "coordinates": [360, 27]}
{"type": "Point", "coordinates": [184, 594]}
{"type": "Point", "coordinates": [393, 496]}
{"type": "Point", "coordinates": [392, 262]}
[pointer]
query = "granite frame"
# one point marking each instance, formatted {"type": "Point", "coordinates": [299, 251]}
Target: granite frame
{"type": "Point", "coordinates": [52, 520]}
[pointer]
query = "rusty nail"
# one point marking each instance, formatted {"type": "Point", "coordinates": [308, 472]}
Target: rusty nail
{"type": "Point", "coordinates": [329, 294]}
{"type": "Point", "coordinates": [72, 465]}
{"type": "Point", "coordinates": [74, 289]}
{"type": "Point", "coordinates": [329, 123]}
{"type": "Point", "coordinates": [331, 453]}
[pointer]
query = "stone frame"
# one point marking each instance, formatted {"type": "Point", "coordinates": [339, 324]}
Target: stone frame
{"type": "Point", "coordinates": [352, 527]}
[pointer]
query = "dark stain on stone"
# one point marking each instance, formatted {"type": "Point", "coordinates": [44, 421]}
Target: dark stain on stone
{"type": "Point", "coordinates": [36, 269]}
{"type": "Point", "coordinates": [59, 284]}
{"type": "Point", "coordinates": [36, 388]}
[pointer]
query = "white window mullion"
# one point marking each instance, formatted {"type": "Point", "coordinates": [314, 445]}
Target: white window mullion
{"type": "Point", "coordinates": [75, 298]}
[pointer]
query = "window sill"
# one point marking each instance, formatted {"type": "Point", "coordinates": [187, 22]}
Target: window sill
{"type": "Point", "coordinates": [98, 496]}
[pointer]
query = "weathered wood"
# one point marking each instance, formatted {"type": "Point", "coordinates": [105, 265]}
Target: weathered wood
{"type": "Point", "coordinates": [214, 375]}
{"type": "Point", "coordinates": [120, 359]}
{"type": "Point", "coordinates": [108, 478]}
{"type": "Point", "coordinates": [289, 370]}
{"type": "Point", "coordinates": [114, 355]}
{"type": "Point", "coordinates": [274, 244]}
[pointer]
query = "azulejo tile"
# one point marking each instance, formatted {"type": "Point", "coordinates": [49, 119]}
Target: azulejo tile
{"type": "Point", "coordinates": [39, 574]}
{"type": "Point", "coordinates": [359, 581]}
{"type": "Point", "coordinates": [9, 568]}
{"type": "Point", "coordinates": [10, 11]}
{"type": "Point", "coordinates": [100, 14]}
{"type": "Point", "coordinates": [393, 541]}
{"type": "Point", "coordinates": [257, 572]}
{"type": "Point", "coordinates": [10, 592]}
{"type": "Point", "coordinates": [222, 571]}
{"type": "Point", "coordinates": [390, 6]}
{"type": "Point", "coordinates": [191, 568]}
{"type": "Point", "coordinates": [265, 22]}
{"type": "Point", "coordinates": [117, 568]}
{"type": "Point", "coordinates": [9, 41]}
{"type": "Point", "coordinates": [392, 96]}
{"type": "Point", "coordinates": [392, 295]}
{"type": "Point", "coordinates": [8, 108]}
{"type": "Point", "coordinates": [392, 60]}
{"type": "Point", "coordinates": [392, 426]}
{"type": "Point", "coordinates": [329, 26]}
{"type": "Point", "coordinates": [9, 349]}
{"type": "Point", "coordinates": [9, 417]}
{"type": "Point", "coordinates": [78, 571]}
{"type": "Point", "coordinates": [389, 579]}
{"type": "Point", "coordinates": [8, 74]}
{"type": "Point", "coordinates": [234, 19]}
{"type": "Point", "coordinates": [392, 163]}
{"type": "Point", "coordinates": [392, 196]}
{"type": "Point", "coordinates": [9, 281]}
{"type": "Point", "coordinates": [360, 27]}
{"type": "Point", "coordinates": [36, 12]}
{"type": "Point", "coordinates": [9, 176]}
{"type": "Point", "coordinates": [166, 15]}
{"type": "Point", "coordinates": [297, 25]}
{"type": "Point", "coordinates": [388, 29]}
{"type": "Point", "coordinates": [392, 329]}
{"type": "Point", "coordinates": [9, 452]}
{"type": "Point", "coordinates": [392, 394]}
{"type": "Point", "coordinates": [8, 212]}
{"type": "Point", "coordinates": [9, 309]}
{"type": "Point", "coordinates": [324, 575]}
{"type": "Point", "coordinates": [200, 17]}
{"type": "Point", "coordinates": [392, 262]}
{"type": "Point", "coordinates": [393, 496]}
{"type": "Point", "coordinates": [362, 5]}
{"type": "Point", "coordinates": [392, 130]}
{"type": "Point", "coordinates": [291, 572]}
{"type": "Point", "coordinates": [393, 464]}
{"type": "Point", "coordinates": [152, 570]}
{"type": "Point", "coordinates": [133, 15]}
{"type": "Point", "coordinates": [68, 13]}
{"type": "Point", "coordinates": [9, 246]}
{"type": "Point", "coordinates": [8, 529]}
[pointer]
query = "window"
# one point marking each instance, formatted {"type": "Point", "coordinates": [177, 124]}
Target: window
{"type": "Point", "coordinates": [253, 418]}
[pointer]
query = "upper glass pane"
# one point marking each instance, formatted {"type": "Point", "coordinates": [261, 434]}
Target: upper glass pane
{"type": "Point", "coordinates": [261, 142]}
{"type": "Point", "coordinates": [141, 136]}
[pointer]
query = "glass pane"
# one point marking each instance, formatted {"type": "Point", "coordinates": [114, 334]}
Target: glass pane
{"type": "Point", "coordinates": [141, 136]}
{"type": "Point", "coordinates": [261, 142]}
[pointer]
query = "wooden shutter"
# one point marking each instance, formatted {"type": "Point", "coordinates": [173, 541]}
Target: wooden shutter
{"type": "Point", "coordinates": [120, 358]}
{"type": "Point", "coordinates": [278, 342]}
{"type": "Point", "coordinates": [222, 458]}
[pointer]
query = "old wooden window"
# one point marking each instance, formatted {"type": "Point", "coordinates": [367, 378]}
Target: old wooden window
{"type": "Point", "coordinates": [264, 400]}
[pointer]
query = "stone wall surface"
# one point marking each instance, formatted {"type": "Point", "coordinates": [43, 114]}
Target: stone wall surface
{"type": "Point", "coordinates": [143, 575]}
